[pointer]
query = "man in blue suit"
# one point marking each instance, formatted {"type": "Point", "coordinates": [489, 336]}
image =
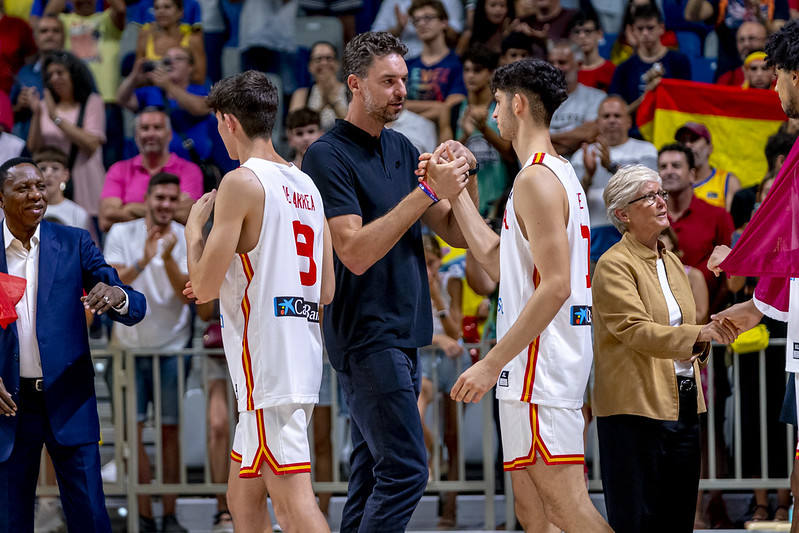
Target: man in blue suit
{"type": "Point", "coordinates": [46, 373]}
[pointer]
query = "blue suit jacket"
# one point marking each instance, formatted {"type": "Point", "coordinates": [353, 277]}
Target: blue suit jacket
{"type": "Point", "coordinates": [69, 262]}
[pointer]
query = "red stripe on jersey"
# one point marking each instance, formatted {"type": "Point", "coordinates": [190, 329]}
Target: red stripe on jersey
{"type": "Point", "coordinates": [246, 358]}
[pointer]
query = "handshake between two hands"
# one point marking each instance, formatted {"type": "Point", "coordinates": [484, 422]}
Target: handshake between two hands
{"type": "Point", "coordinates": [726, 325]}
{"type": "Point", "coordinates": [446, 170]}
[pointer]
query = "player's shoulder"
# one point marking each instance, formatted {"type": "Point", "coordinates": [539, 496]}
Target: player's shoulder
{"type": "Point", "coordinates": [241, 179]}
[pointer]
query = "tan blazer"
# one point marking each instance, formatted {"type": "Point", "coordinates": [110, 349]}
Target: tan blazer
{"type": "Point", "coordinates": [634, 345]}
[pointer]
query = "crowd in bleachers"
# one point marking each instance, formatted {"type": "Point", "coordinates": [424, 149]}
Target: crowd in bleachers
{"type": "Point", "coordinates": [106, 94]}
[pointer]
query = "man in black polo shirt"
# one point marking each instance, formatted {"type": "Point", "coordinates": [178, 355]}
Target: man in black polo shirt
{"type": "Point", "coordinates": [381, 311]}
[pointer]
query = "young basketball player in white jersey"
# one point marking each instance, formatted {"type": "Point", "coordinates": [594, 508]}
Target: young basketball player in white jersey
{"type": "Point", "coordinates": [269, 260]}
{"type": "Point", "coordinates": [543, 355]}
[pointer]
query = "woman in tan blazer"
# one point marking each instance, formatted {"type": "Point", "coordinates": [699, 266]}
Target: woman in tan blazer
{"type": "Point", "coordinates": [647, 352]}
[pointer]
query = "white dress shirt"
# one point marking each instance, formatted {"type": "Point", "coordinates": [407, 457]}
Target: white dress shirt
{"type": "Point", "coordinates": [25, 264]}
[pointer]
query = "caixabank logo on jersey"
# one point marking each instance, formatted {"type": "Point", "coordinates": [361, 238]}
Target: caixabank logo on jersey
{"type": "Point", "coordinates": [296, 306]}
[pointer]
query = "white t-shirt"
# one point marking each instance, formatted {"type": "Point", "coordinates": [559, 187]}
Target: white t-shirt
{"type": "Point", "coordinates": [630, 152]}
{"type": "Point", "coordinates": [10, 146]}
{"type": "Point", "coordinates": [387, 19]}
{"type": "Point", "coordinates": [166, 324]}
{"type": "Point", "coordinates": [268, 23]}
{"type": "Point", "coordinates": [580, 107]}
{"type": "Point", "coordinates": [419, 130]}
{"type": "Point", "coordinates": [685, 370]}
{"type": "Point", "coordinates": [792, 318]}
{"type": "Point", "coordinates": [69, 213]}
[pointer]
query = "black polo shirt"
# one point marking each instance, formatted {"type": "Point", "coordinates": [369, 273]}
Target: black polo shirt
{"type": "Point", "coordinates": [389, 305]}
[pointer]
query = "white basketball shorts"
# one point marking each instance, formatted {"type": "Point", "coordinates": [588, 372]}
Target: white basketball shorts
{"type": "Point", "coordinates": [276, 436]}
{"type": "Point", "coordinates": [529, 430]}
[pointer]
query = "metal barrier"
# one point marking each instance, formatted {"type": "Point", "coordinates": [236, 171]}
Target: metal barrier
{"type": "Point", "coordinates": [123, 431]}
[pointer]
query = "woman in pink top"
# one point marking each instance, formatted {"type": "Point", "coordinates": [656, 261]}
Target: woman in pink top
{"type": "Point", "coordinates": [69, 90]}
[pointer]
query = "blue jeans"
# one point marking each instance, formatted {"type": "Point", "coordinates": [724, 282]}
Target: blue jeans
{"type": "Point", "coordinates": [389, 459]}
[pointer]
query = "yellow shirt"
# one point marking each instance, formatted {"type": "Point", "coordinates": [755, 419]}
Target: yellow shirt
{"type": "Point", "coordinates": [713, 189]}
{"type": "Point", "coordinates": [95, 39]}
{"type": "Point", "coordinates": [18, 8]}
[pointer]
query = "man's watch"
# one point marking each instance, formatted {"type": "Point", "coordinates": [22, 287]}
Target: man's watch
{"type": "Point", "coordinates": [121, 305]}
{"type": "Point", "coordinates": [473, 171]}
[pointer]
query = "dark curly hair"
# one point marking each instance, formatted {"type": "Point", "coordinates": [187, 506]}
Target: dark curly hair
{"type": "Point", "coordinates": [782, 47]}
{"type": "Point", "coordinates": [482, 29]}
{"type": "Point", "coordinates": [251, 98]}
{"type": "Point", "coordinates": [364, 48]}
{"type": "Point", "coordinates": [481, 56]}
{"type": "Point", "coordinates": [82, 79]}
{"type": "Point", "coordinates": [542, 83]}
{"type": "Point", "coordinates": [679, 147]}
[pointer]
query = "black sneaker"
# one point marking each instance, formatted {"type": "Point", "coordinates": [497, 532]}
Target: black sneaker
{"type": "Point", "coordinates": [170, 524]}
{"type": "Point", "coordinates": [223, 522]}
{"type": "Point", "coordinates": [147, 525]}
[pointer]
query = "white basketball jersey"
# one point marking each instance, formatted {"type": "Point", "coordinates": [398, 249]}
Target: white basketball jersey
{"type": "Point", "coordinates": [269, 299]}
{"type": "Point", "coordinates": [792, 347]}
{"type": "Point", "coordinates": [553, 370]}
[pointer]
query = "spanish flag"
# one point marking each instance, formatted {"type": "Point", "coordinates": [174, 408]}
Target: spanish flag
{"type": "Point", "coordinates": [740, 122]}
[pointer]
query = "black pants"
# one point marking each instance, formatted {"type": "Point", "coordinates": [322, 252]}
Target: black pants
{"type": "Point", "coordinates": [650, 468]}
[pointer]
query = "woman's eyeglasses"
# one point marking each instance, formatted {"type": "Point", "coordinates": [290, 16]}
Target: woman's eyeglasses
{"type": "Point", "coordinates": [651, 198]}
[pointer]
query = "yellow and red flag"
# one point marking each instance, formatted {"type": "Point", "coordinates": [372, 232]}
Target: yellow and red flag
{"type": "Point", "coordinates": [740, 122]}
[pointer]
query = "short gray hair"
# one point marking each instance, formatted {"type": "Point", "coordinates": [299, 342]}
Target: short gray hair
{"type": "Point", "coordinates": [624, 186]}
{"type": "Point", "coordinates": [362, 50]}
{"type": "Point", "coordinates": [152, 109]}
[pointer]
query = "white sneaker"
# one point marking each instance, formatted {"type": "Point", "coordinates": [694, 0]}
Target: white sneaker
{"type": "Point", "coordinates": [48, 517]}
{"type": "Point", "coordinates": [109, 472]}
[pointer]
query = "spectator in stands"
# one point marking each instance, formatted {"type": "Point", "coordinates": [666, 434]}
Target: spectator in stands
{"type": "Point", "coordinates": [150, 255]}
{"type": "Point", "coordinates": [267, 39]}
{"type": "Point", "coordinates": [472, 123]}
{"type": "Point", "coordinates": [447, 354]}
{"type": "Point", "coordinates": [143, 12]}
{"type": "Point", "coordinates": [344, 10]}
{"type": "Point", "coordinates": [651, 62]}
{"type": "Point", "coordinates": [777, 148]}
{"type": "Point", "coordinates": [728, 15]}
{"type": "Point", "coordinates": [596, 71]}
{"type": "Point", "coordinates": [71, 116]}
{"type": "Point", "coordinates": [328, 95]}
{"type": "Point", "coordinates": [303, 127]}
{"type": "Point", "coordinates": [169, 87]}
{"type": "Point", "coordinates": [714, 185]}
{"type": "Point", "coordinates": [435, 78]}
{"type": "Point", "coordinates": [10, 144]}
{"type": "Point", "coordinates": [594, 164]}
{"type": "Point", "coordinates": [750, 37]}
{"type": "Point", "coordinates": [758, 73]}
{"type": "Point", "coordinates": [515, 46]}
{"type": "Point", "coordinates": [574, 122]}
{"type": "Point", "coordinates": [28, 84]}
{"type": "Point", "coordinates": [52, 162]}
{"type": "Point", "coordinates": [699, 226]}
{"type": "Point", "coordinates": [394, 17]}
{"type": "Point", "coordinates": [624, 47]}
{"type": "Point", "coordinates": [490, 24]}
{"type": "Point", "coordinates": [168, 31]}
{"type": "Point", "coordinates": [550, 21]}
{"type": "Point", "coordinates": [126, 181]}
{"type": "Point", "coordinates": [16, 47]}
{"type": "Point", "coordinates": [94, 37]}
{"type": "Point", "coordinates": [648, 350]}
